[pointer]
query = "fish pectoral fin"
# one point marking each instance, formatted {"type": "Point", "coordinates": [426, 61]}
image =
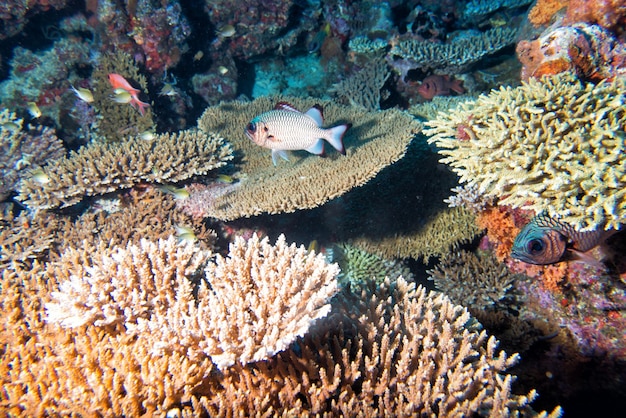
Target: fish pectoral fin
{"type": "Point", "coordinates": [587, 257]}
{"type": "Point", "coordinates": [317, 148]}
{"type": "Point", "coordinates": [279, 153]}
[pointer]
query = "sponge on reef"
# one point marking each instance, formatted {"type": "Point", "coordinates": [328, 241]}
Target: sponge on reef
{"type": "Point", "coordinates": [555, 145]}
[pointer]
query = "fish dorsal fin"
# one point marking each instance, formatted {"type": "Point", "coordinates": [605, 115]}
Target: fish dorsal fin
{"type": "Point", "coordinates": [286, 106]}
{"type": "Point", "coordinates": [317, 114]}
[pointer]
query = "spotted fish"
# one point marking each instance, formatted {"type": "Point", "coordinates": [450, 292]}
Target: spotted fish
{"type": "Point", "coordinates": [286, 128]}
{"type": "Point", "coordinates": [545, 240]}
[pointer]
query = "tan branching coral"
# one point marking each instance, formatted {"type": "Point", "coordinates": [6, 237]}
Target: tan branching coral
{"type": "Point", "coordinates": [441, 232]}
{"type": "Point", "coordinates": [554, 145]}
{"type": "Point", "coordinates": [376, 140]}
{"type": "Point", "coordinates": [387, 352]}
{"type": "Point", "coordinates": [100, 168]}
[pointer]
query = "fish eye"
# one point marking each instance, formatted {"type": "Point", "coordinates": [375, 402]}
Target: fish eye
{"type": "Point", "coordinates": [535, 246]}
{"type": "Point", "coordinates": [251, 127]}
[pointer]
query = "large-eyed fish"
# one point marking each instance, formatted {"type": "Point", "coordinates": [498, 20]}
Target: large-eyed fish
{"type": "Point", "coordinates": [286, 128]}
{"type": "Point", "coordinates": [545, 240]}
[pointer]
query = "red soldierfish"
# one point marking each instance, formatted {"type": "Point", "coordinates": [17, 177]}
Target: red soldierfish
{"type": "Point", "coordinates": [119, 82]}
{"type": "Point", "coordinates": [545, 240]}
{"type": "Point", "coordinates": [286, 128]}
{"type": "Point", "coordinates": [439, 85]}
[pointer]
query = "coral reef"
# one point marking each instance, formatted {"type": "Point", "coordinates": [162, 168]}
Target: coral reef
{"type": "Point", "coordinates": [438, 235]}
{"type": "Point", "coordinates": [15, 14]}
{"type": "Point", "coordinates": [575, 131]}
{"type": "Point", "coordinates": [100, 168]}
{"type": "Point", "coordinates": [381, 340]}
{"type": "Point", "coordinates": [24, 148]}
{"type": "Point", "coordinates": [260, 26]}
{"type": "Point", "coordinates": [153, 32]}
{"type": "Point", "coordinates": [376, 140]}
{"type": "Point", "coordinates": [42, 77]}
{"type": "Point", "coordinates": [476, 9]}
{"type": "Point", "coordinates": [451, 57]}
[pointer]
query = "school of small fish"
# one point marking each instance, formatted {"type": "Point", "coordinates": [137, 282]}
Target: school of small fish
{"type": "Point", "coordinates": [287, 129]}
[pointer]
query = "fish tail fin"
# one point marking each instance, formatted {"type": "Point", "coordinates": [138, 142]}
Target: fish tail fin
{"type": "Point", "coordinates": [139, 105]}
{"type": "Point", "coordinates": [335, 137]}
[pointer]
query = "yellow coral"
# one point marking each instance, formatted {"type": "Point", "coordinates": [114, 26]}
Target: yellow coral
{"type": "Point", "coordinates": [555, 145]}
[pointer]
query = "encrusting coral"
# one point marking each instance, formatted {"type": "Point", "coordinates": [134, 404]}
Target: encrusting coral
{"type": "Point", "coordinates": [376, 140]}
{"type": "Point", "coordinates": [100, 168]}
{"type": "Point", "coordinates": [554, 145]}
{"type": "Point", "coordinates": [23, 149]}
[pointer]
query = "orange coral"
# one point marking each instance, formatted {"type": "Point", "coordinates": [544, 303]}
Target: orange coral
{"type": "Point", "coordinates": [610, 14]}
{"type": "Point", "coordinates": [553, 276]}
{"type": "Point", "coordinates": [501, 229]}
{"type": "Point", "coordinates": [544, 10]}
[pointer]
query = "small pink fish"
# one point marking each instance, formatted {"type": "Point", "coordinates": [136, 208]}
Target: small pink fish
{"type": "Point", "coordinates": [119, 82]}
{"type": "Point", "coordinates": [286, 128]}
{"type": "Point", "coordinates": [439, 85]}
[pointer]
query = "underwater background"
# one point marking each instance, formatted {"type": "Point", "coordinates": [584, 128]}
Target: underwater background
{"type": "Point", "coordinates": [158, 259]}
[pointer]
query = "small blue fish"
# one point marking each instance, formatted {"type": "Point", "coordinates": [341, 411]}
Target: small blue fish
{"type": "Point", "coordinates": [545, 240]}
{"type": "Point", "coordinates": [286, 128]}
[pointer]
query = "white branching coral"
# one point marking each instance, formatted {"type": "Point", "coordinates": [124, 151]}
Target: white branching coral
{"type": "Point", "coordinates": [249, 306]}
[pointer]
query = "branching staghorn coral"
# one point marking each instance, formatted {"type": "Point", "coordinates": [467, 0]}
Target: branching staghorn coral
{"type": "Point", "coordinates": [250, 305]}
{"type": "Point", "coordinates": [387, 352]}
{"type": "Point", "coordinates": [23, 148]}
{"type": "Point", "coordinates": [100, 168]}
{"type": "Point", "coordinates": [555, 145]}
{"type": "Point", "coordinates": [473, 281]}
{"type": "Point", "coordinates": [364, 87]}
{"type": "Point", "coordinates": [454, 56]}
{"type": "Point", "coordinates": [358, 267]}
{"type": "Point", "coordinates": [376, 140]}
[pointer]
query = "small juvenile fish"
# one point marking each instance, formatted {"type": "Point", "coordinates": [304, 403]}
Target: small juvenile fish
{"type": "Point", "coordinates": [226, 31]}
{"type": "Point", "coordinates": [185, 234]}
{"type": "Point", "coordinates": [83, 94]}
{"type": "Point", "coordinates": [33, 109]}
{"type": "Point", "coordinates": [10, 126]}
{"type": "Point", "coordinates": [545, 240]}
{"type": "Point", "coordinates": [40, 176]}
{"type": "Point", "coordinates": [122, 97]}
{"type": "Point", "coordinates": [147, 136]}
{"type": "Point", "coordinates": [178, 193]}
{"type": "Point", "coordinates": [168, 90]}
{"type": "Point", "coordinates": [286, 128]}
{"type": "Point", "coordinates": [225, 178]}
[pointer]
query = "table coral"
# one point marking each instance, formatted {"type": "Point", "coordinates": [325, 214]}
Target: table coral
{"type": "Point", "coordinates": [554, 146]}
{"type": "Point", "coordinates": [103, 168]}
{"type": "Point", "coordinates": [376, 140]}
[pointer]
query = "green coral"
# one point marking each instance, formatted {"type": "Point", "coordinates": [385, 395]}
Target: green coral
{"type": "Point", "coordinates": [555, 145]}
{"type": "Point", "coordinates": [359, 267]}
